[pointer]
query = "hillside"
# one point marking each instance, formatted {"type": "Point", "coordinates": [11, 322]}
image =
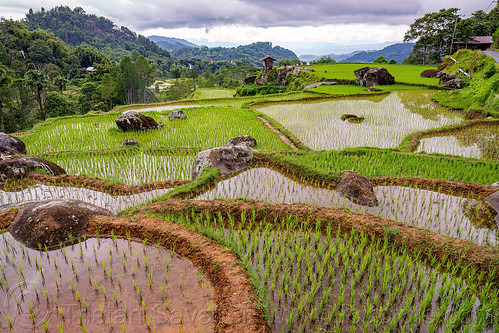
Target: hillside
{"type": "Point", "coordinates": [76, 27]}
{"type": "Point", "coordinates": [398, 51]}
{"type": "Point", "coordinates": [171, 43]}
{"type": "Point", "coordinates": [253, 52]}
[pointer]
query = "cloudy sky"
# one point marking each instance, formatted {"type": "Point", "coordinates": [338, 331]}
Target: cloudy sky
{"type": "Point", "coordinates": [312, 26]}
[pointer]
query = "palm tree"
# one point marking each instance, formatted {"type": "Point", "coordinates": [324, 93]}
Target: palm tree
{"type": "Point", "coordinates": [38, 80]}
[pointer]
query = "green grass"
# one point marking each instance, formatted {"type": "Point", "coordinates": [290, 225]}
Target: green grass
{"type": "Point", "coordinates": [347, 90]}
{"type": "Point", "coordinates": [408, 74]}
{"type": "Point", "coordinates": [372, 162]}
{"type": "Point", "coordinates": [209, 93]}
{"type": "Point", "coordinates": [205, 128]}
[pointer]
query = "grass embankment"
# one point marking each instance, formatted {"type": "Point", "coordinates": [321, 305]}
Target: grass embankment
{"type": "Point", "coordinates": [482, 92]}
{"type": "Point", "coordinates": [372, 162]}
{"type": "Point", "coordinates": [404, 74]}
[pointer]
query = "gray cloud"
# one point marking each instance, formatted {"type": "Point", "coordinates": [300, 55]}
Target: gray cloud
{"type": "Point", "coordinates": [262, 13]}
{"type": "Point", "coordinates": [150, 14]}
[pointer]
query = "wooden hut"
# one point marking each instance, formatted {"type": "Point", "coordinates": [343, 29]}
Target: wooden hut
{"type": "Point", "coordinates": [268, 62]}
{"type": "Point", "coordinates": [477, 43]}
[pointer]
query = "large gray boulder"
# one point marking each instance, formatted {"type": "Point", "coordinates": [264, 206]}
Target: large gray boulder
{"type": "Point", "coordinates": [177, 114]}
{"type": "Point", "coordinates": [10, 145]}
{"type": "Point", "coordinates": [262, 80]}
{"type": "Point", "coordinates": [447, 77]}
{"type": "Point", "coordinates": [359, 73]}
{"type": "Point", "coordinates": [377, 76]}
{"type": "Point", "coordinates": [226, 159]}
{"type": "Point", "coordinates": [357, 188]}
{"type": "Point", "coordinates": [454, 84]}
{"type": "Point", "coordinates": [18, 166]}
{"type": "Point", "coordinates": [136, 121]}
{"type": "Point", "coordinates": [49, 222]}
{"type": "Point", "coordinates": [243, 140]}
{"type": "Point", "coordinates": [284, 72]}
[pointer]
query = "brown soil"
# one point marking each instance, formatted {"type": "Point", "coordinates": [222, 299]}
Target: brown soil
{"type": "Point", "coordinates": [283, 138]}
{"type": "Point", "coordinates": [416, 137]}
{"type": "Point", "coordinates": [90, 183]}
{"type": "Point", "coordinates": [416, 240]}
{"type": "Point", "coordinates": [237, 304]}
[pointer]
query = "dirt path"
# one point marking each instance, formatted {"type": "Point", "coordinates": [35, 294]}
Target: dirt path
{"type": "Point", "coordinates": [283, 138]}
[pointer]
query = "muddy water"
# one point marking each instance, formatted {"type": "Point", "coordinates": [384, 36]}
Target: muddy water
{"type": "Point", "coordinates": [475, 142]}
{"type": "Point", "coordinates": [102, 285]}
{"type": "Point", "coordinates": [114, 203]}
{"type": "Point", "coordinates": [445, 214]}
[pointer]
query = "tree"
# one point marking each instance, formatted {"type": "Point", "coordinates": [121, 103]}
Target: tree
{"type": "Point", "coordinates": [56, 105]}
{"type": "Point", "coordinates": [38, 81]}
{"type": "Point", "coordinates": [145, 74]}
{"type": "Point", "coordinates": [380, 60]}
{"type": "Point", "coordinates": [5, 81]}
{"type": "Point", "coordinates": [108, 89]}
{"type": "Point", "coordinates": [129, 79]}
{"type": "Point", "coordinates": [433, 35]}
{"type": "Point", "coordinates": [392, 62]}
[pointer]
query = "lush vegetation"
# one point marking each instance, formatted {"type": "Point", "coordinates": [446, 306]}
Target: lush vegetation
{"type": "Point", "coordinates": [252, 52]}
{"type": "Point", "coordinates": [435, 33]}
{"type": "Point", "coordinates": [481, 91]}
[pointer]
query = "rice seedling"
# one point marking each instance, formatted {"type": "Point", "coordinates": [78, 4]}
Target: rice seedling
{"type": "Point", "coordinates": [77, 301]}
{"type": "Point", "coordinates": [432, 210]}
{"type": "Point", "coordinates": [404, 292]}
{"type": "Point", "coordinates": [196, 132]}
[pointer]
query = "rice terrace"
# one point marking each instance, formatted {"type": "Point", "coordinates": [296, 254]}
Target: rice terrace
{"type": "Point", "coordinates": [321, 197]}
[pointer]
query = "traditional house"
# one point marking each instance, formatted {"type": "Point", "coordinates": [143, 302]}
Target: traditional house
{"type": "Point", "coordinates": [268, 62]}
{"type": "Point", "coordinates": [477, 43]}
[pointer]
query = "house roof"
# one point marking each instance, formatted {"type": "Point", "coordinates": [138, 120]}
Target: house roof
{"type": "Point", "coordinates": [268, 57]}
{"type": "Point", "coordinates": [478, 40]}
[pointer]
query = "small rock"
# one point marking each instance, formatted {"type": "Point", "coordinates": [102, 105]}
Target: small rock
{"type": "Point", "coordinates": [244, 140]}
{"type": "Point", "coordinates": [357, 188]}
{"type": "Point", "coordinates": [352, 118]}
{"type": "Point", "coordinates": [496, 184]}
{"type": "Point", "coordinates": [493, 200]}
{"type": "Point", "coordinates": [130, 142]}
{"type": "Point", "coordinates": [177, 114]}
{"type": "Point", "coordinates": [317, 84]}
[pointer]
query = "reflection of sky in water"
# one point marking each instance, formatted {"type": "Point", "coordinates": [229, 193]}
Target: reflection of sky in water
{"type": "Point", "coordinates": [437, 212]}
{"type": "Point", "coordinates": [113, 203]}
{"type": "Point", "coordinates": [386, 122]}
{"type": "Point", "coordinates": [472, 142]}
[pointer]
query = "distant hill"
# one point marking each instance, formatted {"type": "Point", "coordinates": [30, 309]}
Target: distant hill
{"type": "Point", "coordinates": [398, 51]}
{"type": "Point", "coordinates": [253, 52]}
{"type": "Point", "coordinates": [75, 27]}
{"type": "Point", "coordinates": [171, 43]}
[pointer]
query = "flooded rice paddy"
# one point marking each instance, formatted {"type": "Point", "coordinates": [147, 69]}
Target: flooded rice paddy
{"type": "Point", "coordinates": [314, 282]}
{"type": "Point", "coordinates": [445, 214]}
{"type": "Point", "coordinates": [386, 123]}
{"type": "Point", "coordinates": [474, 142]}
{"type": "Point", "coordinates": [113, 203]}
{"type": "Point", "coordinates": [101, 285]}
{"type": "Point", "coordinates": [131, 168]}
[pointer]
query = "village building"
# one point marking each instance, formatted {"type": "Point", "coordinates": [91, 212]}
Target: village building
{"type": "Point", "coordinates": [477, 43]}
{"type": "Point", "coordinates": [268, 62]}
